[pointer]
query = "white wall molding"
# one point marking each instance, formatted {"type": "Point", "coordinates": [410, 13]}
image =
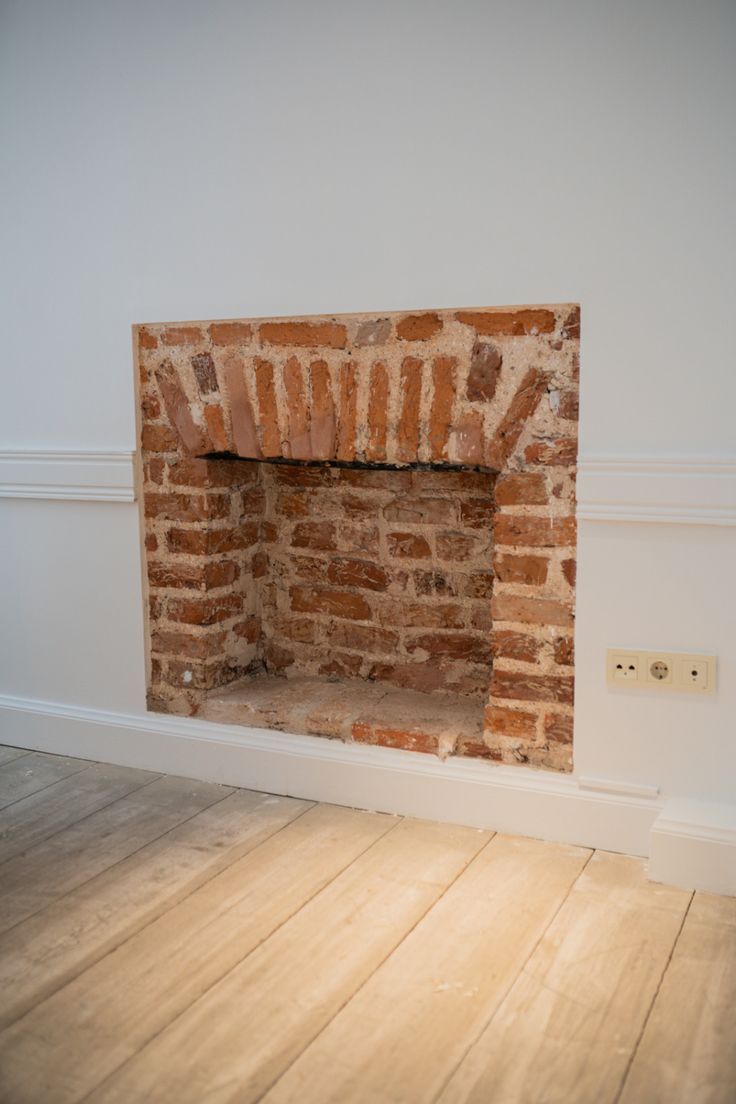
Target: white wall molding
{"type": "Point", "coordinates": [693, 844]}
{"type": "Point", "coordinates": [509, 799]}
{"type": "Point", "coordinates": [79, 476]}
{"type": "Point", "coordinates": [684, 490]}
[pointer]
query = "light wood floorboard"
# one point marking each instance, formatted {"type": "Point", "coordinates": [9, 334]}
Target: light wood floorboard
{"type": "Point", "coordinates": [174, 941]}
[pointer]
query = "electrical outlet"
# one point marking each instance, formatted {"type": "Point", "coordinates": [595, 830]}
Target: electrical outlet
{"type": "Point", "coordinates": [694, 674]}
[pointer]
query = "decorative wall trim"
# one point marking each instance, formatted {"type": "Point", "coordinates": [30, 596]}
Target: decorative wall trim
{"type": "Point", "coordinates": [462, 791]}
{"type": "Point", "coordinates": [694, 845]}
{"type": "Point", "coordinates": [79, 476]}
{"type": "Point", "coordinates": [683, 490]}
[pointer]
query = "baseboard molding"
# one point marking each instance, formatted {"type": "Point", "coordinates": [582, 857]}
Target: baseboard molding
{"type": "Point", "coordinates": [694, 845]}
{"type": "Point", "coordinates": [675, 490]}
{"type": "Point", "coordinates": [78, 476]}
{"type": "Point", "coordinates": [517, 800]}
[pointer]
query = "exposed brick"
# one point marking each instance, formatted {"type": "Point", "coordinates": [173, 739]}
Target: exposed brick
{"type": "Point", "coordinates": [525, 401]}
{"type": "Point", "coordinates": [569, 571]}
{"type": "Point", "coordinates": [189, 473]}
{"type": "Point", "coordinates": [153, 470]}
{"type": "Point", "coordinates": [377, 413]}
{"type": "Point", "coordinates": [554, 450]}
{"type": "Point", "coordinates": [373, 331]}
{"type": "Point", "coordinates": [443, 398]}
{"type": "Point", "coordinates": [571, 324]}
{"type": "Point", "coordinates": [477, 513]}
{"type": "Point", "coordinates": [248, 629]}
{"type": "Point", "coordinates": [376, 479]}
{"type": "Point", "coordinates": [363, 638]}
{"type": "Point", "coordinates": [525, 687]}
{"type": "Point", "coordinates": [347, 420]}
{"type": "Point", "coordinates": [293, 505]}
{"type": "Point", "coordinates": [259, 565]}
{"type": "Point", "coordinates": [186, 645]}
{"type": "Point", "coordinates": [569, 407]}
{"type": "Point", "coordinates": [357, 573]}
{"type": "Point", "coordinates": [242, 417]}
{"type": "Point", "coordinates": [336, 603]}
{"type": "Point", "coordinates": [485, 365]}
{"type": "Point", "coordinates": [187, 575]}
{"type": "Point", "coordinates": [468, 441]}
{"type": "Point", "coordinates": [277, 657]}
{"type": "Point", "coordinates": [407, 546]}
{"type": "Point", "coordinates": [417, 615]}
{"type": "Point", "coordinates": [521, 489]}
{"type": "Point", "coordinates": [204, 373]}
{"type": "Point", "coordinates": [535, 611]}
{"type": "Point", "coordinates": [151, 542]}
{"type": "Point", "coordinates": [314, 534]}
{"type": "Point", "coordinates": [303, 630]}
{"type": "Point", "coordinates": [310, 334]}
{"type": "Point", "coordinates": [182, 507]}
{"type": "Point", "coordinates": [435, 583]}
{"type": "Point", "coordinates": [455, 645]}
{"type": "Point", "coordinates": [146, 340]}
{"type": "Point", "coordinates": [419, 327]}
{"type": "Point", "coordinates": [510, 722]}
{"type": "Point", "coordinates": [408, 739]}
{"type": "Point", "coordinates": [340, 665]}
{"type": "Point", "coordinates": [407, 431]}
{"type": "Point", "coordinates": [158, 438]}
{"type": "Point", "coordinates": [215, 421]}
{"type": "Point", "coordinates": [268, 420]}
{"type": "Point", "coordinates": [529, 570]}
{"type": "Point", "coordinates": [178, 408]}
{"type": "Point", "coordinates": [558, 727]}
{"type": "Point", "coordinates": [540, 532]}
{"type": "Point", "coordinates": [420, 510]}
{"type": "Point", "coordinates": [204, 611]}
{"type": "Point", "coordinates": [151, 408]}
{"type": "Point", "coordinates": [358, 506]}
{"type": "Point", "coordinates": [182, 335]}
{"type": "Point", "coordinates": [564, 650]}
{"type": "Point", "coordinates": [323, 424]}
{"type": "Point", "coordinates": [206, 542]}
{"type": "Point", "coordinates": [298, 444]}
{"type": "Point", "coordinates": [479, 584]}
{"type": "Point", "coordinates": [230, 333]}
{"type": "Point", "coordinates": [511, 323]}
{"type": "Point", "coordinates": [299, 476]}
{"type": "Point", "coordinates": [456, 546]}
{"type": "Point", "coordinates": [515, 645]}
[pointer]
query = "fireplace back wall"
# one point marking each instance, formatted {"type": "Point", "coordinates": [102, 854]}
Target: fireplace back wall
{"type": "Point", "coordinates": [364, 502]}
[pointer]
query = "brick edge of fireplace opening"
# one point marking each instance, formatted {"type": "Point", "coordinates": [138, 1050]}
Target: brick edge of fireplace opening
{"type": "Point", "coordinates": [487, 389]}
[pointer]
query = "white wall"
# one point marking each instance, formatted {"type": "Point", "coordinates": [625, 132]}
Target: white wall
{"type": "Point", "coordinates": [173, 160]}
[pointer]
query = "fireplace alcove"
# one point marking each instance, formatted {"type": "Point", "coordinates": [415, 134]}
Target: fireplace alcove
{"type": "Point", "coordinates": [362, 527]}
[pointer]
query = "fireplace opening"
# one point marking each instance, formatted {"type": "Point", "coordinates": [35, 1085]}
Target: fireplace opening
{"type": "Point", "coordinates": [363, 527]}
{"type": "Point", "coordinates": [367, 603]}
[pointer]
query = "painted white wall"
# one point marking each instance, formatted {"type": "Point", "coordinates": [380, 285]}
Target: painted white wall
{"type": "Point", "coordinates": [173, 160]}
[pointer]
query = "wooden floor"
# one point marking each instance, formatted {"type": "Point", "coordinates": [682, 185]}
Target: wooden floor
{"type": "Point", "coordinates": [168, 940]}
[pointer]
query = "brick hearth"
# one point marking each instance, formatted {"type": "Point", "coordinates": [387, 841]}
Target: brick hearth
{"type": "Point", "coordinates": [363, 526]}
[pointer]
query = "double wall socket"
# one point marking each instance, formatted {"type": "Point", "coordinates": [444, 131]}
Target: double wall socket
{"type": "Point", "coordinates": [694, 674]}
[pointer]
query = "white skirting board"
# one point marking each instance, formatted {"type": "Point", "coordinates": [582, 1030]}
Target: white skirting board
{"type": "Point", "coordinates": [689, 843]}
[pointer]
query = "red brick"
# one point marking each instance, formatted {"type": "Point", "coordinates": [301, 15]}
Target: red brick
{"type": "Point", "coordinates": [555, 450]}
{"type": "Point", "coordinates": [310, 334]}
{"type": "Point", "coordinates": [204, 542]}
{"type": "Point", "coordinates": [303, 630]}
{"type": "Point", "coordinates": [525, 401]}
{"type": "Point", "coordinates": [323, 425]}
{"type": "Point", "coordinates": [435, 583]}
{"type": "Point", "coordinates": [377, 413]}
{"type": "Point", "coordinates": [479, 584]}
{"type": "Point", "coordinates": [477, 513]}
{"type": "Point", "coordinates": [178, 408]}
{"type": "Point", "coordinates": [407, 546]}
{"type": "Point", "coordinates": [476, 749]}
{"type": "Point", "coordinates": [419, 327]}
{"type": "Point", "coordinates": [146, 340]}
{"type": "Point", "coordinates": [151, 408]}
{"type": "Point", "coordinates": [205, 611]}
{"type": "Point", "coordinates": [510, 722]}
{"type": "Point", "coordinates": [456, 546]}
{"type": "Point", "coordinates": [268, 413]}
{"type": "Point", "coordinates": [340, 665]}
{"type": "Point", "coordinates": [443, 398]}
{"type": "Point", "coordinates": [363, 638]}
{"type": "Point", "coordinates": [564, 650]}
{"type": "Point", "coordinates": [182, 335]}
{"type": "Point", "coordinates": [187, 575]}
{"type": "Point", "coordinates": [215, 421]}
{"type": "Point", "coordinates": [569, 571]}
{"type": "Point", "coordinates": [419, 510]}
{"type": "Point", "coordinates": [511, 323]}
{"type": "Point", "coordinates": [204, 373]}
{"type": "Point", "coordinates": [158, 438]}
{"type": "Point", "coordinates": [454, 645]}
{"type": "Point", "coordinates": [314, 534]}
{"type": "Point", "coordinates": [407, 431]}
{"type": "Point", "coordinates": [468, 438]}
{"type": "Point", "coordinates": [485, 366]}
{"type": "Point", "coordinates": [361, 574]}
{"type": "Point", "coordinates": [185, 645]}
{"type": "Point", "coordinates": [408, 739]}
{"type": "Point", "coordinates": [529, 570]}
{"type": "Point", "coordinates": [183, 507]}
{"type": "Point", "coordinates": [373, 331]}
{"type": "Point", "coordinates": [535, 611]}
{"type": "Point", "coordinates": [347, 422]}
{"type": "Point", "coordinates": [538, 532]}
{"type": "Point", "coordinates": [376, 479]}
{"type": "Point", "coordinates": [358, 507]}
{"type": "Point", "coordinates": [335, 603]}
{"type": "Point", "coordinates": [417, 615]}
{"type": "Point", "coordinates": [558, 727]}
{"type": "Point", "coordinates": [151, 542]}
{"type": "Point", "coordinates": [298, 444]}
{"type": "Point", "coordinates": [569, 407]}
{"type": "Point", "coordinates": [521, 489]}
{"type": "Point", "coordinates": [189, 473]}
{"type": "Point", "coordinates": [230, 333]}
{"type": "Point", "coordinates": [525, 687]}
{"type": "Point", "coordinates": [153, 470]}
{"type": "Point", "coordinates": [293, 505]}
{"type": "Point", "coordinates": [298, 475]}
{"type": "Point", "coordinates": [515, 645]}
{"type": "Point", "coordinates": [259, 565]}
{"type": "Point", "coordinates": [571, 324]}
{"type": "Point", "coordinates": [242, 417]}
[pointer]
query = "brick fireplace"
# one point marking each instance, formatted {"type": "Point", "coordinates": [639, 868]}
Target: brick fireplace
{"type": "Point", "coordinates": [362, 526]}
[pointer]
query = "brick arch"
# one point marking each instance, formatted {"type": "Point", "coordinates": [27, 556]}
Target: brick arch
{"type": "Point", "coordinates": [491, 390]}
